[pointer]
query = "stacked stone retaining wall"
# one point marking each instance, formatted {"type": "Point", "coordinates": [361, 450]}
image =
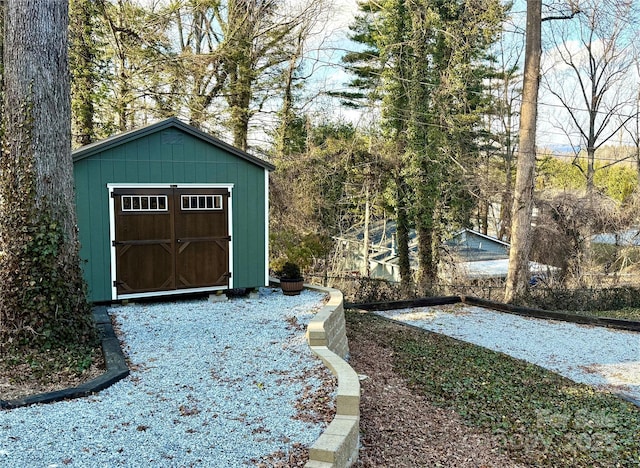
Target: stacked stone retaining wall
{"type": "Point", "coordinates": [327, 338]}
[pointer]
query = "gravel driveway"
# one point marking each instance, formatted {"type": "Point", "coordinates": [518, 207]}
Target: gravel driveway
{"type": "Point", "coordinates": [604, 358]}
{"type": "Point", "coordinates": [212, 384]}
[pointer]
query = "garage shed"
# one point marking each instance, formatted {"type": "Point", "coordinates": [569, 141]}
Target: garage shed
{"type": "Point", "coordinates": [168, 209]}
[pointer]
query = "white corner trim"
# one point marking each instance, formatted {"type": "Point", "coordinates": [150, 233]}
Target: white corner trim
{"type": "Point", "coordinates": [266, 227]}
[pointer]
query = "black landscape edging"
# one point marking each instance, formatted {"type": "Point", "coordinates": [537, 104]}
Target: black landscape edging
{"type": "Point", "coordinates": [620, 324]}
{"type": "Point", "coordinates": [404, 304]}
{"type": "Point", "coordinates": [115, 363]}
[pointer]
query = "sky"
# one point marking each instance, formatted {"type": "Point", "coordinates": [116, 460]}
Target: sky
{"type": "Point", "coordinates": [327, 50]}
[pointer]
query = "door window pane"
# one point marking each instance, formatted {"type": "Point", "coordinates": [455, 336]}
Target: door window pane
{"type": "Point", "coordinates": [201, 202]}
{"type": "Point", "coordinates": [144, 203]}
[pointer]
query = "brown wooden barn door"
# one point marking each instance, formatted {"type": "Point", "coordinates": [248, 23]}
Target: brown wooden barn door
{"type": "Point", "coordinates": [202, 237]}
{"type": "Point", "coordinates": [144, 240]}
{"type": "Point", "coordinates": [168, 239]}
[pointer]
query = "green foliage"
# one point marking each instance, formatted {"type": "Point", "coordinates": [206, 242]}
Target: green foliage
{"type": "Point", "coordinates": [287, 270]}
{"type": "Point", "coordinates": [82, 60]}
{"type": "Point", "coordinates": [301, 249]}
{"type": "Point", "coordinates": [47, 365]}
{"type": "Point", "coordinates": [617, 181]}
{"type": "Point", "coordinates": [541, 418]}
{"type": "Point", "coordinates": [321, 191]}
{"type": "Point", "coordinates": [121, 62]}
{"type": "Point", "coordinates": [554, 173]}
{"type": "Point", "coordinates": [308, 189]}
{"type": "Point", "coordinates": [45, 299]}
{"type": "Point", "coordinates": [363, 64]}
{"type": "Point", "coordinates": [291, 136]}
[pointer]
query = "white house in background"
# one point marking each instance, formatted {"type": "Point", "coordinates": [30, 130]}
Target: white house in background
{"type": "Point", "coordinates": [472, 255]}
{"type": "Point", "coordinates": [479, 256]}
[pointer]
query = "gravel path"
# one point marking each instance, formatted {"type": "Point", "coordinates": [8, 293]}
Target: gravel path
{"type": "Point", "coordinates": [212, 384]}
{"type": "Point", "coordinates": [605, 358]}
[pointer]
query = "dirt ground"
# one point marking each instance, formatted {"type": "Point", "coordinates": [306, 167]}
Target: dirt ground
{"type": "Point", "coordinates": [20, 381]}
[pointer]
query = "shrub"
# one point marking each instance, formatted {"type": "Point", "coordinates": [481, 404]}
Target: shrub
{"type": "Point", "coordinates": [289, 270]}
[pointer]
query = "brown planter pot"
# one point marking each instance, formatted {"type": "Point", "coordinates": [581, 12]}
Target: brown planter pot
{"type": "Point", "coordinates": [291, 287]}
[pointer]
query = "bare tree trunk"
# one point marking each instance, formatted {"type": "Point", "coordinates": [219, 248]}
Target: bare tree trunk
{"type": "Point", "coordinates": [638, 162]}
{"type": "Point", "coordinates": [518, 274]}
{"type": "Point", "coordinates": [483, 216]}
{"type": "Point", "coordinates": [42, 299]}
{"type": "Point", "coordinates": [506, 203]}
{"type": "Point", "coordinates": [366, 241]}
{"type": "Point", "coordinates": [589, 226]}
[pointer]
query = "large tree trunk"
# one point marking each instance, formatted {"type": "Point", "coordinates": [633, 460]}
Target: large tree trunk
{"type": "Point", "coordinates": [402, 237]}
{"type": "Point", "coordinates": [42, 301]}
{"type": "Point", "coordinates": [518, 274]}
{"type": "Point", "coordinates": [241, 66]}
{"type": "Point", "coordinates": [426, 261]}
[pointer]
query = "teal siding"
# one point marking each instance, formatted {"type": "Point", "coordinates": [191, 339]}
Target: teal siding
{"type": "Point", "coordinates": [148, 160]}
{"type": "Point", "coordinates": [254, 213]}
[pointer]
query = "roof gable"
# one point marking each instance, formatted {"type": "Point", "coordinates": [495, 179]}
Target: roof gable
{"type": "Point", "coordinates": [121, 138]}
